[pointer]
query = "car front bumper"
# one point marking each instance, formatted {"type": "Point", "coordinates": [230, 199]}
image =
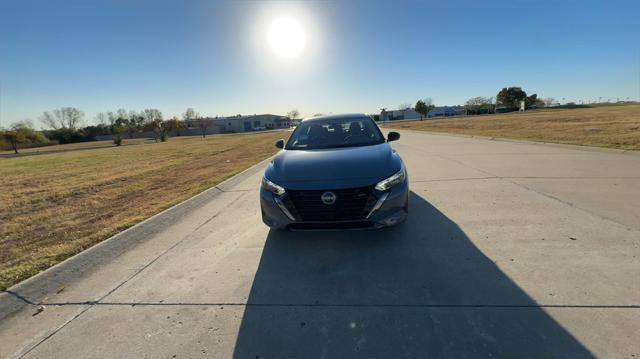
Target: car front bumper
{"type": "Point", "coordinates": [393, 210]}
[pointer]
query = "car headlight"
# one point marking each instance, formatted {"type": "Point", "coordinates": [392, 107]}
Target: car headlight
{"type": "Point", "coordinates": [394, 180]}
{"type": "Point", "coordinates": [272, 187]}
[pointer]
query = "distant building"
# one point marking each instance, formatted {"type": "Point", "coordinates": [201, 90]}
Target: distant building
{"type": "Point", "coordinates": [239, 123]}
{"type": "Point", "coordinates": [395, 115]}
{"type": "Point", "coordinates": [446, 111]}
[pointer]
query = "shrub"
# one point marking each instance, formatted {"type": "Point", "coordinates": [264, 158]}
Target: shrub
{"type": "Point", "coordinates": [117, 140]}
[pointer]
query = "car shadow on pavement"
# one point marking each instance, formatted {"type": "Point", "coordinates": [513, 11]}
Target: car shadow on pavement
{"type": "Point", "coordinates": [421, 289]}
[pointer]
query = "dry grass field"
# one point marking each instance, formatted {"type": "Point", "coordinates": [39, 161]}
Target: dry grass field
{"type": "Point", "coordinates": [56, 205]}
{"type": "Point", "coordinates": [605, 126]}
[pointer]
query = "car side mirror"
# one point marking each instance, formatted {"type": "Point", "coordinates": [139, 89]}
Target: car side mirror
{"type": "Point", "coordinates": [280, 143]}
{"type": "Point", "coordinates": [393, 136]}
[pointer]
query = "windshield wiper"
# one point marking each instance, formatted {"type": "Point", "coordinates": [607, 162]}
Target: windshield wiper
{"type": "Point", "coordinates": [335, 146]}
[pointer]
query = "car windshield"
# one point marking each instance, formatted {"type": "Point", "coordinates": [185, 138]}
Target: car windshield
{"type": "Point", "coordinates": [334, 133]}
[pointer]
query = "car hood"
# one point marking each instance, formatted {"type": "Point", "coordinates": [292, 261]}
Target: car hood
{"type": "Point", "coordinates": [334, 167]}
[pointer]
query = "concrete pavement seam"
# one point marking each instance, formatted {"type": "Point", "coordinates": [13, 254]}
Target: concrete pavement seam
{"type": "Point", "coordinates": [354, 305]}
{"type": "Point", "coordinates": [54, 332]}
{"type": "Point", "coordinates": [19, 297]}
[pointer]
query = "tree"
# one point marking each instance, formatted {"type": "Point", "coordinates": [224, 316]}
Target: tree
{"type": "Point", "coordinates": [174, 124]}
{"type": "Point", "coordinates": [158, 127]}
{"type": "Point", "coordinates": [126, 122]}
{"type": "Point", "coordinates": [190, 114]}
{"type": "Point", "coordinates": [293, 114]}
{"type": "Point", "coordinates": [63, 118]}
{"type": "Point", "coordinates": [424, 106]}
{"type": "Point", "coordinates": [113, 119]}
{"type": "Point", "coordinates": [549, 101]}
{"type": "Point", "coordinates": [404, 106]}
{"type": "Point", "coordinates": [22, 132]}
{"type": "Point", "coordinates": [429, 102]}
{"type": "Point", "coordinates": [533, 101]}
{"type": "Point", "coordinates": [153, 122]}
{"type": "Point", "coordinates": [510, 97]}
{"type": "Point", "coordinates": [13, 138]}
{"type": "Point", "coordinates": [151, 114]}
{"type": "Point", "coordinates": [478, 105]}
{"type": "Point", "coordinates": [203, 124]}
{"type": "Point", "coordinates": [101, 118]}
{"type": "Point", "coordinates": [91, 132]}
{"type": "Point", "coordinates": [118, 121]}
{"type": "Point", "coordinates": [122, 113]}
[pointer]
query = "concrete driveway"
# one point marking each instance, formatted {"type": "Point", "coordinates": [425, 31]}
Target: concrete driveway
{"type": "Point", "coordinates": [510, 250]}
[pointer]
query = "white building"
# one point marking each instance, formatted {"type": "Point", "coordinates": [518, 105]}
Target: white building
{"type": "Point", "coordinates": [446, 111]}
{"type": "Point", "coordinates": [239, 123]}
{"type": "Point", "coordinates": [394, 115]}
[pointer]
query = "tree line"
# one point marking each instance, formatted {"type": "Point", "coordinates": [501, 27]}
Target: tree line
{"type": "Point", "coordinates": [507, 99]}
{"type": "Point", "coordinates": [66, 125]}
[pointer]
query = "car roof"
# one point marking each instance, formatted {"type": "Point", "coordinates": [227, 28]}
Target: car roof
{"type": "Point", "coordinates": [337, 117]}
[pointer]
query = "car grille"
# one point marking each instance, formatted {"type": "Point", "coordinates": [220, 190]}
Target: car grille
{"type": "Point", "coordinates": [351, 204]}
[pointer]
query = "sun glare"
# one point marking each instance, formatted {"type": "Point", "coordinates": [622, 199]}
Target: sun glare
{"type": "Point", "coordinates": [286, 37]}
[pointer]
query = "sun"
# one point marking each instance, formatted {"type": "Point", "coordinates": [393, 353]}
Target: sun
{"type": "Point", "coordinates": [286, 37]}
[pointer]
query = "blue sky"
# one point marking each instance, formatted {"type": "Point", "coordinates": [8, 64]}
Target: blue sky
{"type": "Point", "coordinates": [359, 56]}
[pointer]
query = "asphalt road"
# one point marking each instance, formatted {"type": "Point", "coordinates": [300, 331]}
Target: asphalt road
{"type": "Point", "coordinates": [510, 250]}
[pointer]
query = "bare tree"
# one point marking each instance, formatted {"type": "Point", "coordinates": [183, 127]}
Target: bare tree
{"type": "Point", "coordinates": [122, 113]}
{"type": "Point", "coordinates": [404, 106]}
{"type": "Point", "coordinates": [63, 118]}
{"type": "Point", "coordinates": [102, 118]}
{"type": "Point", "coordinates": [111, 117]}
{"type": "Point", "coordinates": [190, 114]}
{"type": "Point", "coordinates": [202, 124]}
{"type": "Point", "coordinates": [293, 114]}
{"type": "Point", "coordinates": [151, 114]}
{"type": "Point", "coordinates": [48, 120]}
{"type": "Point", "coordinates": [479, 105]}
{"type": "Point", "coordinates": [549, 101]}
